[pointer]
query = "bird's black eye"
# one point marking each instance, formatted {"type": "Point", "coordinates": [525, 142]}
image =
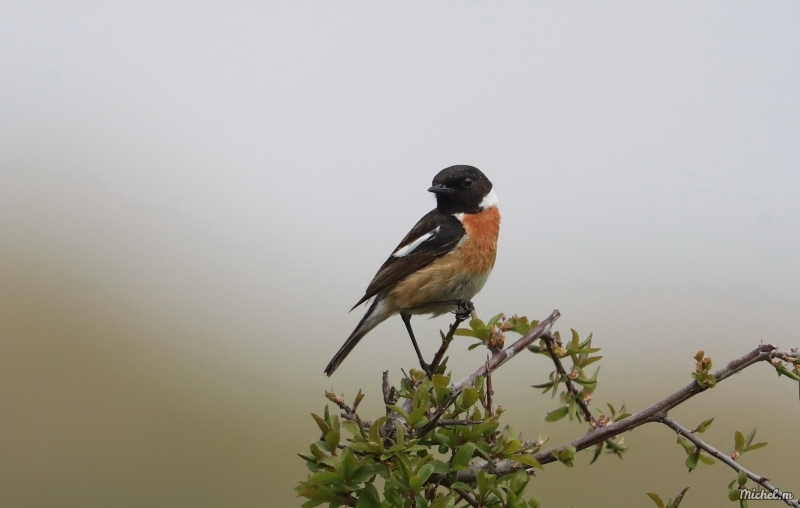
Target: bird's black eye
{"type": "Point", "coordinates": [467, 183]}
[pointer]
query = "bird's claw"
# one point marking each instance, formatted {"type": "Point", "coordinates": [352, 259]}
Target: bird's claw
{"type": "Point", "coordinates": [463, 309]}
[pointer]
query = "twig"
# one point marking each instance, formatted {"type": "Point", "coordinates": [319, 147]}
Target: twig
{"type": "Point", "coordinates": [504, 355]}
{"type": "Point", "coordinates": [498, 359]}
{"type": "Point", "coordinates": [447, 423]}
{"type": "Point", "coordinates": [339, 401]}
{"type": "Point", "coordinates": [587, 413]}
{"type": "Point", "coordinates": [650, 414]}
{"type": "Point", "coordinates": [699, 443]}
{"type": "Point", "coordinates": [489, 393]}
{"type": "Point", "coordinates": [463, 494]}
{"type": "Point", "coordinates": [489, 390]}
{"type": "Point", "coordinates": [437, 359]}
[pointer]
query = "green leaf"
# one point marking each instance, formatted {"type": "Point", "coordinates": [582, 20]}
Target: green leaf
{"type": "Point", "coordinates": [463, 456]}
{"type": "Point", "coordinates": [524, 458]}
{"type": "Point", "coordinates": [749, 439]}
{"type": "Point", "coordinates": [742, 479]}
{"type": "Point", "coordinates": [691, 460]}
{"type": "Point", "coordinates": [621, 417]}
{"type": "Point", "coordinates": [444, 502]}
{"type": "Point", "coordinates": [518, 482]}
{"type": "Point", "coordinates": [439, 467]}
{"type": "Point", "coordinates": [476, 323]}
{"type": "Point", "coordinates": [705, 459]}
{"type": "Point", "coordinates": [590, 361]}
{"type": "Point", "coordinates": [738, 439]}
{"type": "Point", "coordinates": [368, 471]}
{"type": "Point", "coordinates": [358, 400]}
{"type": "Point", "coordinates": [786, 372]}
{"type": "Point", "coordinates": [461, 485]}
{"type": "Point", "coordinates": [678, 498]}
{"type": "Point", "coordinates": [656, 499]}
{"type": "Point", "coordinates": [686, 445]}
{"type": "Point", "coordinates": [352, 428]}
{"type": "Point", "coordinates": [464, 332]}
{"type": "Point", "coordinates": [440, 381]}
{"type": "Point", "coordinates": [469, 396]}
{"type": "Point", "coordinates": [703, 426]}
{"type": "Point", "coordinates": [555, 415]}
{"type": "Point", "coordinates": [755, 447]}
{"type": "Point", "coordinates": [332, 440]}
{"type": "Point", "coordinates": [326, 478]}
{"type": "Point", "coordinates": [368, 497]}
{"type": "Point", "coordinates": [566, 455]}
{"type": "Point", "coordinates": [321, 422]}
{"type": "Point", "coordinates": [399, 410]}
{"type": "Point", "coordinates": [485, 482]}
{"type": "Point", "coordinates": [495, 320]}
{"type": "Point", "coordinates": [597, 450]}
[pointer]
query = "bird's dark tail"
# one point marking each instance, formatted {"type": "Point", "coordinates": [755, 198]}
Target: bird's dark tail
{"type": "Point", "coordinates": [376, 314]}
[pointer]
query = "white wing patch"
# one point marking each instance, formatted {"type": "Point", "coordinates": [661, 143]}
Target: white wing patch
{"type": "Point", "coordinates": [405, 250]}
{"type": "Point", "coordinates": [489, 200]}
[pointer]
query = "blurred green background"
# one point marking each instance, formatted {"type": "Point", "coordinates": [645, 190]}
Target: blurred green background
{"type": "Point", "coordinates": [193, 194]}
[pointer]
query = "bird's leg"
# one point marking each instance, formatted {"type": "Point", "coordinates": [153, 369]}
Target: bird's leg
{"type": "Point", "coordinates": [425, 366]}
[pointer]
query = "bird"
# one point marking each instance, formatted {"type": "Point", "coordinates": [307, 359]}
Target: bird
{"type": "Point", "coordinates": [444, 261]}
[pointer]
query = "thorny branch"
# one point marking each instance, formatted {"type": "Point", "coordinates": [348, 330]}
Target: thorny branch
{"type": "Point", "coordinates": [688, 434]}
{"type": "Point", "coordinates": [657, 412]}
{"type": "Point", "coordinates": [499, 358]}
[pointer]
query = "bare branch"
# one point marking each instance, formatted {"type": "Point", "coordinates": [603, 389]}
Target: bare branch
{"type": "Point", "coordinates": [699, 443]}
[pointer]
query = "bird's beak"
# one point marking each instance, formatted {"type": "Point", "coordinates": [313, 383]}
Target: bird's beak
{"type": "Point", "coordinates": [440, 189]}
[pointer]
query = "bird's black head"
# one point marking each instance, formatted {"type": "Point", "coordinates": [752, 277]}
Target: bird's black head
{"type": "Point", "coordinates": [462, 189]}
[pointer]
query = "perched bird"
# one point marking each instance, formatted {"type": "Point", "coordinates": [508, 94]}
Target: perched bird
{"type": "Point", "coordinates": [442, 262]}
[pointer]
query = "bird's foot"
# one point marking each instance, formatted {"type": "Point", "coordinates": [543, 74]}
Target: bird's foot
{"type": "Point", "coordinates": [463, 309]}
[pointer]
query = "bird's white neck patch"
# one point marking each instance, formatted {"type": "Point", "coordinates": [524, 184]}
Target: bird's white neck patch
{"type": "Point", "coordinates": [489, 200]}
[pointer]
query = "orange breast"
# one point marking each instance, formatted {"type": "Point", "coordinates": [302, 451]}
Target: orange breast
{"type": "Point", "coordinates": [478, 251]}
{"type": "Point", "coordinates": [459, 274]}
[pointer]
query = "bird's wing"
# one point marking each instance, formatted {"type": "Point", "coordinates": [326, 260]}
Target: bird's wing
{"type": "Point", "coordinates": [433, 236]}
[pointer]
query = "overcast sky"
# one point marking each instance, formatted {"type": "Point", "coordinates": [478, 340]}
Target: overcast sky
{"type": "Point", "coordinates": [237, 171]}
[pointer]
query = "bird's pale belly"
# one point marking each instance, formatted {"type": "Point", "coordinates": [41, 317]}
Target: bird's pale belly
{"type": "Point", "coordinates": [442, 281]}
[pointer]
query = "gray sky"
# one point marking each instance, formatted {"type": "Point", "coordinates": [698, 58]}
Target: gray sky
{"type": "Point", "coordinates": [233, 174]}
